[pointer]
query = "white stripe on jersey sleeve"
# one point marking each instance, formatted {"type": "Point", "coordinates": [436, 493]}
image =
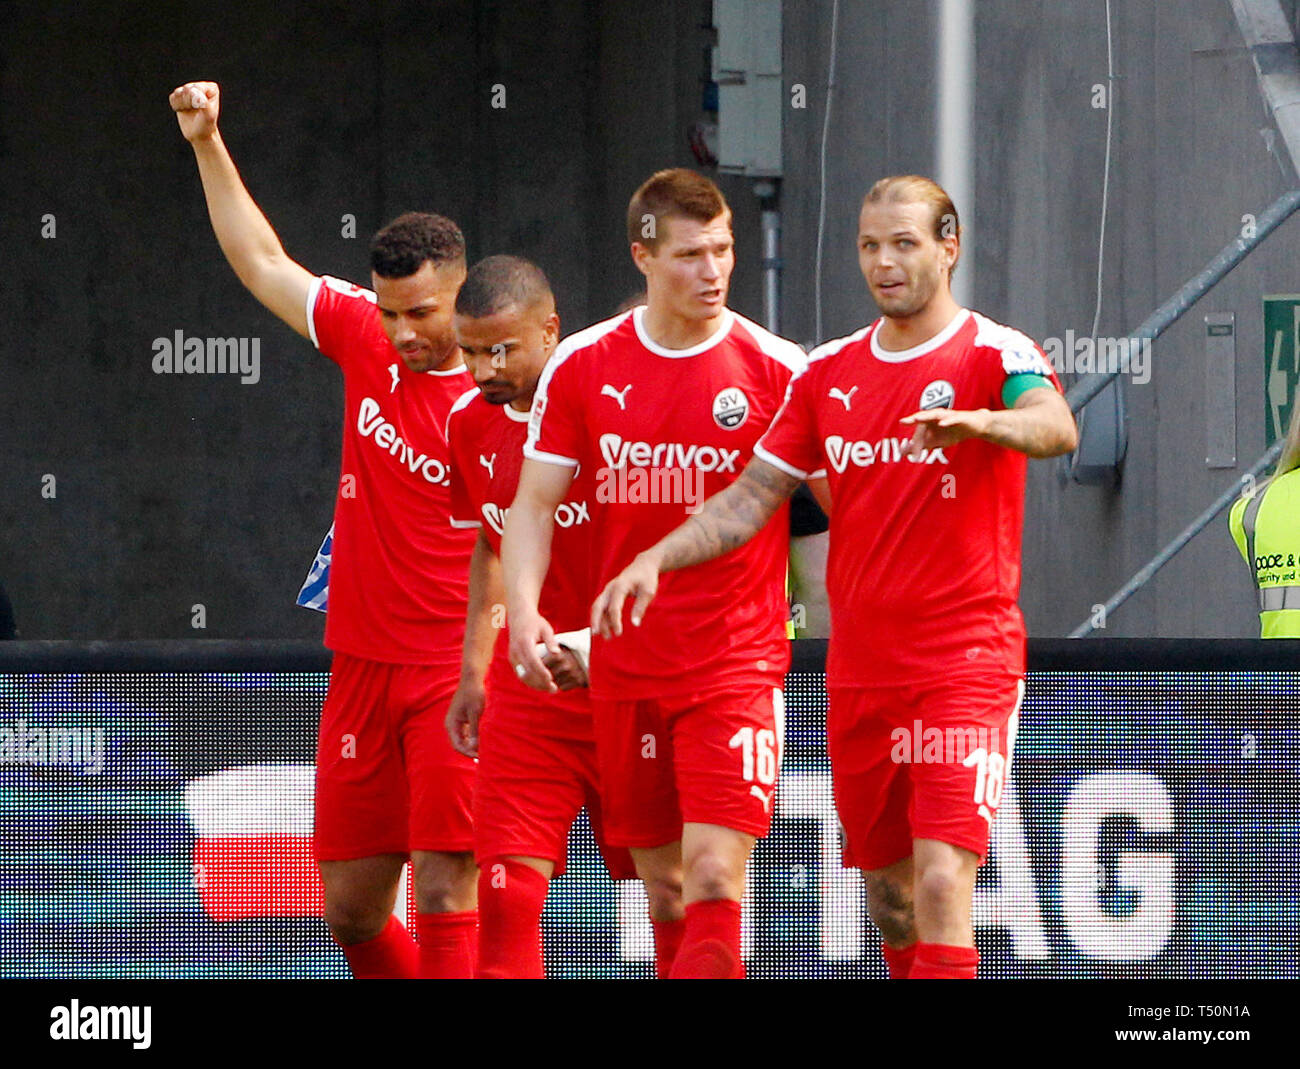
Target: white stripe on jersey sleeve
{"type": "Point", "coordinates": [338, 285]}
{"type": "Point", "coordinates": [349, 289]}
{"type": "Point", "coordinates": [533, 453]}
{"type": "Point", "coordinates": [580, 339]}
{"type": "Point", "coordinates": [782, 350]}
{"type": "Point", "coordinates": [463, 401]}
{"type": "Point", "coordinates": [1020, 354]}
{"type": "Point", "coordinates": [829, 348]}
{"type": "Point", "coordinates": [779, 464]}
{"type": "Point", "coordinates": [313, 291]}
{"type": "Point", "coordinates": [573, 343]}
{"type": "Point", "coordinates": [822, 351]}
{"type": "Point", "coordinates": [465, 525]}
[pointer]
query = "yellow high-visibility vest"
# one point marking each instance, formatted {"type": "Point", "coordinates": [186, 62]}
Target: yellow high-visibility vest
{"type": "Point", "coordinates": [1266, 527]}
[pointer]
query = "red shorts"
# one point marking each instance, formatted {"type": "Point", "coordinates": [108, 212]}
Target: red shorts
{"type": "Point", "coordinates": [387, 778]}
{"type": "Point", "coordinates": [924, 761]}
{"type": "Point", "coordinates": [695, 758]}
{"type": "Point", "coordinates": [536, 770]}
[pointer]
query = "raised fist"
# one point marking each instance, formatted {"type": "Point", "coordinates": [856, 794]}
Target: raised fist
{"type": "Point", "coordinates": [196, 105]}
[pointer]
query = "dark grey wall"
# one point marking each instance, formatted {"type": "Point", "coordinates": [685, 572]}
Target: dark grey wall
{"type": "Point", "coordinates": [1188, 161]}
{"type": "Point", "coordinates": [183, 490]}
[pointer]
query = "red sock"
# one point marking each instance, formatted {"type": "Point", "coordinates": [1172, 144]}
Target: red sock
{"type": "Point", "coordinates": [390, 955]}
{"type": "Point", "coordinates": [448, 944]}
{"type": "Point", "coordinates": [511, 896]}
{"type": "Point", "coordinates": [899, 961]}
{"type": "Point", "coordinates": [668, 940]}
{"type": "Point", "coordinates": [935, 961]}
{"type": "Point", "coordinates": [710, 947]}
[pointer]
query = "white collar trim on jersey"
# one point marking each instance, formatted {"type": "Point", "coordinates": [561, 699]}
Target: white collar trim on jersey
{"type": "Point", "coordinates": [514, 414]}
{"type": "Point", "coordinates": [450, 371]}
{"type": "Point", "coordinates": [899, 356]}
{"type": "Point", "coordinates": [639, 312]}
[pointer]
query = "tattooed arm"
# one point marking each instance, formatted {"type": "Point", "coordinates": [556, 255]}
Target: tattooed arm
{"type": "Point", "coordinates": [726, 520]}
{"type": "Point", "coordinates": [1039, 425]}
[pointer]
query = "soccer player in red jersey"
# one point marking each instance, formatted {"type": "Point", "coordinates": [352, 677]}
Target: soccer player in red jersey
{"type": "Point", "coordinates": [661, 406]}
{"type": "Point", "coordinates": [388, 783]}
{"type": "Point", "coordinates": [926, 638]}
{"type": "Point", "coordinates": [536, 752]}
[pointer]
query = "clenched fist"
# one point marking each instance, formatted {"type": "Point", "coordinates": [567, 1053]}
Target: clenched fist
{"type": "Point", "coordinates": [196, 105]}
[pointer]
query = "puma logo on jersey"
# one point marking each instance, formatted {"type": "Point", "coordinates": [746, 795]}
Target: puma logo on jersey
{"type": "Point", "coordinates": [566, 515]}
{"type": "Point", "coordinates": [764, 796]}
{"type": "Point", "coordinates": [842, 453]}
{"type": "Point", "coordinates": [393, 370]}
{"type": "Point", "coordinates": [840, 395]}
{"type": "Point", "coordinates": [619, 395]}
{"type": "Point", "coordinates": [488, 464]}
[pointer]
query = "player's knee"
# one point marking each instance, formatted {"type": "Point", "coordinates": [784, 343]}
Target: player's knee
{"type": "Point", "coordinates": [889, 904]}
{"type": "Point", "coordinates": [352, 922]}
{"type": "Point", "coordinates": [715, 875]}
{"type": "Point", "coordinates": [941, 891]}
{"type": "Point", "coordinates": [664, 894]}
{"type": "Point", "coordinates": [444, 883]}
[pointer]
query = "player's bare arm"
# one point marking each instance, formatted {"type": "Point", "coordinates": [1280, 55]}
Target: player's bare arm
{"type": "Point", "coordinates": [525, 558]}
{"type": "Point", "coordinates": [725, 521]}
{"type": "Point", "coordinates": [247, 239]}
{"type": "Point", "coordinates": [1040, 426]}
{"type": "Point", "coordinates": [486, 594]}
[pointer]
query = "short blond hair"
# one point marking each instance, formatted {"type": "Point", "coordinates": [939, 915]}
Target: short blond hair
{"type": "Point", "coordinates": [917, 189]}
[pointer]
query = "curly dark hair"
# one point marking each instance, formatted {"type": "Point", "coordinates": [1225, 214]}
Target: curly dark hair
{"type": "Point", "coordinates": [402, 247]}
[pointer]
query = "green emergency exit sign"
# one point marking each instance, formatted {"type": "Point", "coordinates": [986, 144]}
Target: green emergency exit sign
{"type": "Point", "coordinates": [1281, 362]}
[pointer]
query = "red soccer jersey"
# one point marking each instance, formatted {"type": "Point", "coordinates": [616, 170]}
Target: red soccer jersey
{"type": "Point", "coordinates": [399, 578]}
{"type": "Point", "coordinates": [924, 565]}
{"type": "Point", "coordinates": [659, 431]}
{"type": "Point", "coordinates": [487, 443]}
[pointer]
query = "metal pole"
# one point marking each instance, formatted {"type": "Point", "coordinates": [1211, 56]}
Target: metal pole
{"type": "Point", "coordinates": [1188, 533]}
{"type": "Point", "coordinates": [772, 270]}
{"type": "Point", "coordinates": [1267, 33]}
{"type": "Point", "coordinates": [770, 217]}
{"type": "Point", "coordinates": [954, 163]}
{"type": "Point", "coordinates": [1168, 313]}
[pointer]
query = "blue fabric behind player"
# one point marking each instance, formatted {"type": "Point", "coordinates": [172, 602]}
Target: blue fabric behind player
{"type": "Point", "coordinates": [315, 590]}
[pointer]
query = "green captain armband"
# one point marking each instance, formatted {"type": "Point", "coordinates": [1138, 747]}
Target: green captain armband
{"type": "Point", "coordinates": [1018, 385]}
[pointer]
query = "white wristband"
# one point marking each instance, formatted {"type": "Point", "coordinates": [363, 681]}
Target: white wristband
{"type": "Point", "coordinates": [576, 642]}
